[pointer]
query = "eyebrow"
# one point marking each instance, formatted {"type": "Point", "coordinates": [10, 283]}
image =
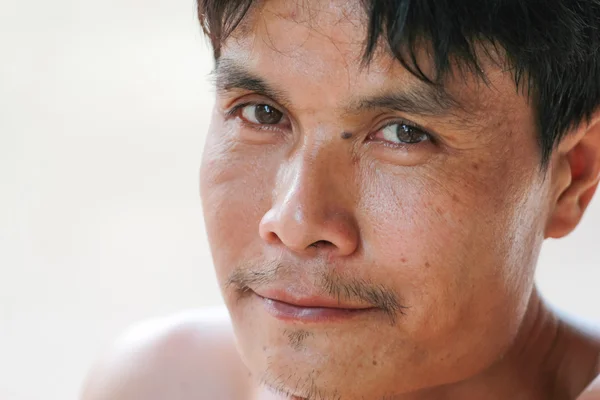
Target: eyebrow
{"type": "Point", "coordinates": [229, 74]}
{"type": "Point", "coordinates": [420, 99]}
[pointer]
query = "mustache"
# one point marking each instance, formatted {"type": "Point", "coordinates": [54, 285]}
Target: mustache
{"type": "Point", "coordinates": [338, 286]}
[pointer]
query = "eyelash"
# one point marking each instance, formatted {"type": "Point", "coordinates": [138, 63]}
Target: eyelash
{"type": "Point", "coordinates": [231, 113]}
{"type": "Point", "coordinates": [430, 137]}
{"type": "Point", "coordinates": [235, 109]}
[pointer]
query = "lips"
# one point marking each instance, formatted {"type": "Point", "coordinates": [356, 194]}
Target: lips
{"type": "Point", "coordinates": [290, 307]}
{"type": "Point", "coordinates": [309, 301]}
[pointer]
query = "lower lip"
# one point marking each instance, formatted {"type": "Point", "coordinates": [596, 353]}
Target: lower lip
{"type": "Point", "coordinates": [291, 313]}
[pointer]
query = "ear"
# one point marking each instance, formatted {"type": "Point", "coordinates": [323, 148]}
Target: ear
{"type": "Point", "coordinates": [575, 177]}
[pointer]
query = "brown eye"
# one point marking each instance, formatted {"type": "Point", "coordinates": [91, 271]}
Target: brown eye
{"type": "Point", "coordinates": [262, 114]}
{"type": "Point", "coordinates": [400, 133]}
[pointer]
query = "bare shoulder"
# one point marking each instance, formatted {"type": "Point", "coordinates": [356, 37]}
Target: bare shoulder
{"type": "Point", "coordinates": [191, 355]}
{"type": "Point", "coordinates": [585, 352]}
{"type": "Point", "coordinates": [592, 392]}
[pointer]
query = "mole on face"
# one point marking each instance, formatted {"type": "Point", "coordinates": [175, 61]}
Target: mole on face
{"type": "Point", "coordinates": [346, 135]}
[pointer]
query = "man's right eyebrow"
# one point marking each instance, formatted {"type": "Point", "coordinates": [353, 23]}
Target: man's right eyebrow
{"type": "Point", "coordinates": [230, 75]}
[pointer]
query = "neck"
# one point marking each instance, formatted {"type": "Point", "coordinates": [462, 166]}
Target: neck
{"type": "Point", "coordinates": [547, 360]}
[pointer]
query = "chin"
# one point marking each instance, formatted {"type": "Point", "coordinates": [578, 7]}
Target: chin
{"type": "Point", "coordinates": [331, 364]}
{"type": "Point", "coordinates": [364, 357]}
{"type": "Point", "coordinates": [322, 365]}
{"type": "Point", "coordinates": [305, 382]}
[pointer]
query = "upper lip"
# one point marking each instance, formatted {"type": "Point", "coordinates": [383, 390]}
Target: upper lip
{"type": "Point", "coordinates": [309, 300]}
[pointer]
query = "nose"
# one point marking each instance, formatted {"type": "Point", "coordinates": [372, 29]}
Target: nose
{"type": "Point", "coordinates": [312, 209]}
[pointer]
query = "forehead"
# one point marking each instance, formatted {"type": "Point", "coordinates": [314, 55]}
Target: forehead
{"type": "Point", "coordinates": [319, 46]}
{"type": "Point", "coordinates": [343, 23]}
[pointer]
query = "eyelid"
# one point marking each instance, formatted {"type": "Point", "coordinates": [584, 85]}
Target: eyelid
{"type": "Point", "coordinates": [254, 98]}
{"type": "Point", "coordinates": [231, 111]}
{"type": "Point", "coordinates": [401, 121]}
{"type": "Point", "coordinates": [433, 138]}
{"type": "Point", "coordinates": [236, 108]}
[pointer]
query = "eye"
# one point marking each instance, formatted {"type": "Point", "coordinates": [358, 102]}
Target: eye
{"type": "Point", "coordinates": [261, 114]}
{"type": "Point", "coordinates": [401, 133]}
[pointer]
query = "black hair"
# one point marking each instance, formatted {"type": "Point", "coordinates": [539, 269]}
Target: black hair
{"type": "Point", "coordinates": [551, 46]}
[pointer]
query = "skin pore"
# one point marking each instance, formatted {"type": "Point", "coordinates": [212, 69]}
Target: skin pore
{"type": "Point", "coordinates": [325, 177]}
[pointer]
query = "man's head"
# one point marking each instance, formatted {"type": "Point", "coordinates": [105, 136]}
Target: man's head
{"type": "Point", "coordinates": [403, 159]}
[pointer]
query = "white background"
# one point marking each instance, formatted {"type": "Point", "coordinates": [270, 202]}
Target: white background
{"type": "Point", "coordinates": [103, 108]}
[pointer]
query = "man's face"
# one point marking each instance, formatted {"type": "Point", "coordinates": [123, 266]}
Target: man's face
{"type": "Point", "coordinates": [324, 181]}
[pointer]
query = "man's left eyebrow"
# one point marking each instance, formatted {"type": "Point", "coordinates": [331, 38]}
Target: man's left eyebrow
{"type": "Point", "coordinates": [229, 75]}
{"type": "Point", "coordinates": [418, 101]}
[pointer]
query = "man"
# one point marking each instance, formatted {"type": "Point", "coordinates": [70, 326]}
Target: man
{"type": "Point", "coordinates": [377, 182]}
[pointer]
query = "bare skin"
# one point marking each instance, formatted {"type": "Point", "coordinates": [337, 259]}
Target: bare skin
{"type": "Point", "coordinates": [373, 238]}
{"type": "Point", "coordinates": [192, 356]}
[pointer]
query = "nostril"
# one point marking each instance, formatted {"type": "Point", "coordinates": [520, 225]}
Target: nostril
{"type": "Point", "coordinates": [272, 237]}
{"type": "Point", "coordinates": [337, 231]}
{"type": "Point", "coordinates": [321, 243]}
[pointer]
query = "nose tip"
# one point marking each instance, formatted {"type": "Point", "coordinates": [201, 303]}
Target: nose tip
{"type": "Point", "coordinates": [303, 232]}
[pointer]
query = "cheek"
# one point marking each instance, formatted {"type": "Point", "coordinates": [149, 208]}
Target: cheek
{"type": "Point", "coordinates": [450, 248]}
{"type": "Point", "coordinates": [235, 183]}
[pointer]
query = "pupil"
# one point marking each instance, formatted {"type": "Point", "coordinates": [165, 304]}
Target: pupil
{"type": "Point", "coordinates": [266, 114]}
{"type": "Point", "coordinates": [407, 135]}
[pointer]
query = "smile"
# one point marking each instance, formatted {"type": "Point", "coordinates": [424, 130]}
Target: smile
{"type": "Point", "coordinates": [311, 309]}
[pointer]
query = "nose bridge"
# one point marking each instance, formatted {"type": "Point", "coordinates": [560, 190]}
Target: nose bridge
{"type": "Point", "coordinates": [307, 190]}
{"type": "Point", "coordinates": [311, 204]}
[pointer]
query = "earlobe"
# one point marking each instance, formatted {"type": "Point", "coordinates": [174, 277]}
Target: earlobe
{"type": "Point", "coordinates": [575, 179]}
